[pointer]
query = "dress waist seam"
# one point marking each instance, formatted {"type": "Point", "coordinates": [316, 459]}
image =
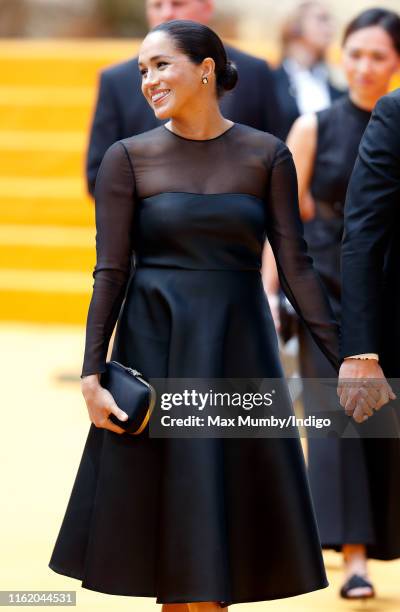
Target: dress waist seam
{"type": "Point", "coordinates": [142, 266]}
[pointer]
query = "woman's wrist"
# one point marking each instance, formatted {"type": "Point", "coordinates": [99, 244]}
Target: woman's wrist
{"type": "Point", "coordinates": [273, 299]}
{"type": "Point", "coordinates": [90, 383]}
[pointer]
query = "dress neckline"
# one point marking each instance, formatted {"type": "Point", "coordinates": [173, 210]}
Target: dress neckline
{"type": "Point", "coordinates": [200, 139]}
{"type": "Point", "coordinates": [361, 112]}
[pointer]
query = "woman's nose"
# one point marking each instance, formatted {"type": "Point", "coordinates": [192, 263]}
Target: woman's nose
{"type": "Point", "coordinates": [152, 78]}
{"type": "Point", "coordinates": [364, 66]}
{"type": "Point", "coordinates": [167, 14]}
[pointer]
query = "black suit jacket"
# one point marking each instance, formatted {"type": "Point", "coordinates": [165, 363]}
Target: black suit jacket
{"type": "Point", "coordinates": [371, 242]}
{"type": "Point", "coordinates": [122, 111]}
{"type": "Point", "coordinates": [288, 108]}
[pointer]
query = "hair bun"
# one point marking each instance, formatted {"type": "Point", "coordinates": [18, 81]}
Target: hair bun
{"type": "Point", "coordinates": [228, 77]}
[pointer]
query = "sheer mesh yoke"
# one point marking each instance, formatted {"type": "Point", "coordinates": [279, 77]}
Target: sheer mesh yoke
{"type": "Point", "coordinates": [199, 205]}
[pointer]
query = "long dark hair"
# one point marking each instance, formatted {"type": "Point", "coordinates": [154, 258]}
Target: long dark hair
{"type": "Point", "coordinates": [198, 41]}
{"type": "Point", "coordinates": [387, 20]}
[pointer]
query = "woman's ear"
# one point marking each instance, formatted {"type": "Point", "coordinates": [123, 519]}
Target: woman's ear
{"type": "Point", "coordinates": [208, 67]}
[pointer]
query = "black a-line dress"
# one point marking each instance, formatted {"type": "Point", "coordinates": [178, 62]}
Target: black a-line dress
{"type": "Point", "coordinates": [213, 519]}
{"type": "Point", "coordinates": [355, 482]}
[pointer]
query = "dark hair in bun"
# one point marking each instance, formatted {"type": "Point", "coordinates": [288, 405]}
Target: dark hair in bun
{"type": "Point", "coordinates": [387, 20]}
{"type": "Point", "coordinates": [198, 41]}
{"type": "Point", "coordinates": [228, 77]}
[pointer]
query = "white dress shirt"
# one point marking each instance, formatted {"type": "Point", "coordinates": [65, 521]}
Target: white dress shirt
{"type": "Point", "coordinates": [308, 85]}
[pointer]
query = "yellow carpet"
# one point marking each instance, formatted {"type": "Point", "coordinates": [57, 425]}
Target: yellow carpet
{"type": "Point", "coordinates": [44, 427]}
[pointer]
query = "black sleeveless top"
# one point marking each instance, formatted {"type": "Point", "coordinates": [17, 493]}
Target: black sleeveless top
{"type": "Point", "coordinates": [340, 129]}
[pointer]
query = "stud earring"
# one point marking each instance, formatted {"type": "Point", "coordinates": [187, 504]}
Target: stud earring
{"type": "Point", "coordinates": [204, 80]}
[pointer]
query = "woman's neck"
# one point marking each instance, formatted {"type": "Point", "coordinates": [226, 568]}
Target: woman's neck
{"type": "Point", "coordinates": [200, 124]}
{"type": "Point", "coordinates": [363, 101]}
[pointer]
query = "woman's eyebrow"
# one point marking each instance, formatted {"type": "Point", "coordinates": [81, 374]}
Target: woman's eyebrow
{"type": "Point", "coordinates": [156, 57]}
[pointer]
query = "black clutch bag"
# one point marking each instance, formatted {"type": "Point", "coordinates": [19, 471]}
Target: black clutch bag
{"type": "Point", "coordinates": [132, 393]}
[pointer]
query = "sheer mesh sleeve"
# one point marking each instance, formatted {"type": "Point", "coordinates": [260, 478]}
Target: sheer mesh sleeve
{"type": "Point", "coordinates": [297, 276]}
{"type": "Point", "coordinates": [115, 200]}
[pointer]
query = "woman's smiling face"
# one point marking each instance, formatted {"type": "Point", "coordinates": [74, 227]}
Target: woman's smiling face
{"type": "Point", "coordinates": [171, 82]}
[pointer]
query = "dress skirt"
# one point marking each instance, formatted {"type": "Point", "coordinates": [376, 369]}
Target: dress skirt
{"type": "Point", "coordinates": [185, 520]}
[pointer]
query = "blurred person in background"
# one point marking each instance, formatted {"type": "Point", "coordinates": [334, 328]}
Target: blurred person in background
{"type": "Point", "coordinates": [355, 482]}
{"type": "Point", "coordinates": [121, 111]}
{"type": "Point", "coordinates": [302, 79]}
{"type": "Point", "coordinates": [303, 85]}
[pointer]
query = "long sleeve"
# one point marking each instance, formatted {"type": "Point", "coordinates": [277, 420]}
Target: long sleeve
{"type": "Point", "coordinates": [372, 200]}
{"type": "Point", "coordinates": [105, 130]}
{"type": "Point", "coordinates": [114, 204]}
{"type": "Point", "coordinates": [298, 278]}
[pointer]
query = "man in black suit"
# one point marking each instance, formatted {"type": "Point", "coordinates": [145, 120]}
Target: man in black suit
{"type": "Point", "coordinates": [302, 80]}
{"type": "Point", "coordinates": [122, 110]}
{"type": "Point", "coordinates": [371, 263]}
{"type": "Point", "coordinates": [286, 95]}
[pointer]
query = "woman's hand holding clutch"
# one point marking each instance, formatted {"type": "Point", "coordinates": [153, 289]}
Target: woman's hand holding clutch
{"type": "Point", "coordinates": [100, 404]}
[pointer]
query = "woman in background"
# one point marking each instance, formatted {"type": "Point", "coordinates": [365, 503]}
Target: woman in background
{"type": "Point", "coordinates": [303, 85]}
{"type": "Point", "coordinates": [355, 486]}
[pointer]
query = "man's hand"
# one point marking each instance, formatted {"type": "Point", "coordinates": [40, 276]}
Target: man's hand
{"type": "Point", "coordinates": [363, 388]}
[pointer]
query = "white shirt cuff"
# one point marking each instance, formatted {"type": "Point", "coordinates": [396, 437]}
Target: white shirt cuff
{"type": "Point", "coordinates": [364, 356]}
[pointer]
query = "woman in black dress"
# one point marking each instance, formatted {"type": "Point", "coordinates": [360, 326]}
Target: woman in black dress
{"type": "Point", "coordinates": [357, 503]}
{"type": "Point", "coordinates": [211, 521]}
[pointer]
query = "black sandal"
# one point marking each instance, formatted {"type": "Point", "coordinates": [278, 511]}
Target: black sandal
{"type": "Point", "coordinates": [355, 582]}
